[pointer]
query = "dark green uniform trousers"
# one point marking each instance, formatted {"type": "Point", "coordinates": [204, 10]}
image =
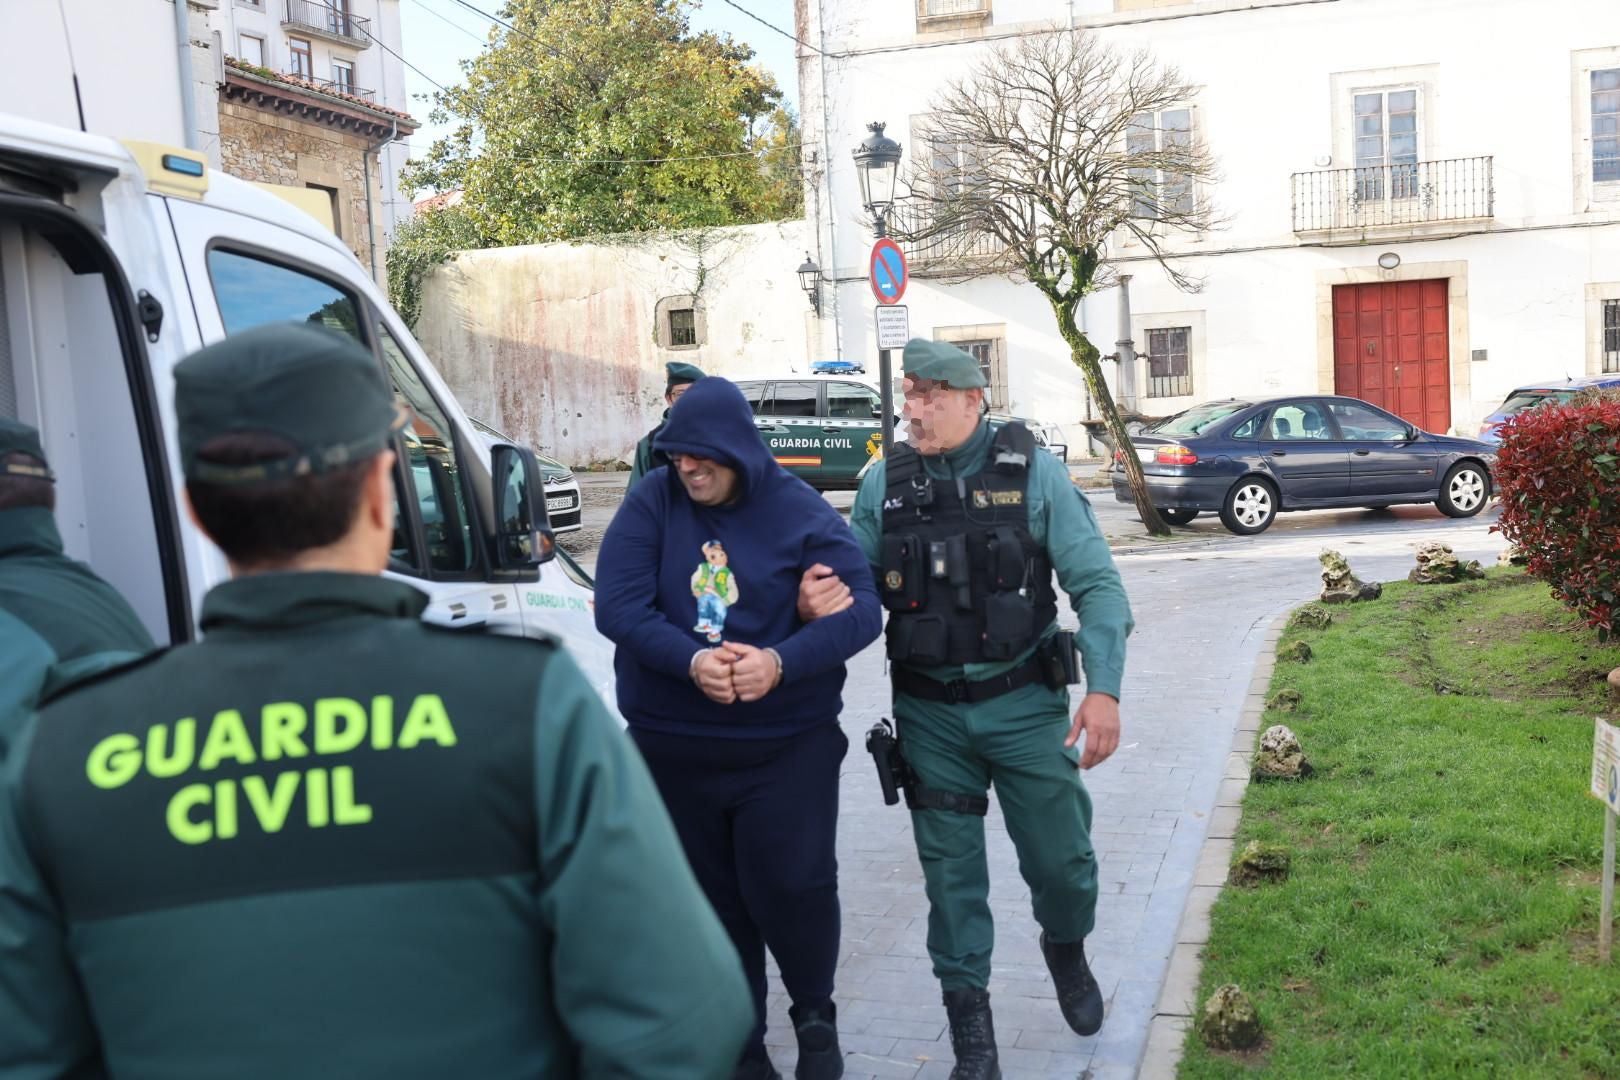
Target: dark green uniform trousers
{"type": "Point", "coordinates": [1015, 743]}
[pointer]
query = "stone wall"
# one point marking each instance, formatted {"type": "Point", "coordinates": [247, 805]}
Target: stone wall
{"type": "Point", "coordinates": [563, 346]}
{"type": "Point", "coordinates": [270, 148]}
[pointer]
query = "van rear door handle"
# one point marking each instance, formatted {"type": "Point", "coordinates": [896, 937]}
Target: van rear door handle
{"type": "Point", "coordinates": [833, 430]}
{"type": "Point", "coordinates": [1279, 453]}
{"type": "Point", "coordinates": [1361, 453]}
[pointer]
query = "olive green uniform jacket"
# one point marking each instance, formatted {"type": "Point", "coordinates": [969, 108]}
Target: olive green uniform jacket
{"type": "Point", "coordinates": [331, 840]}
{"type": "Point", "coordinates": [62, 621]}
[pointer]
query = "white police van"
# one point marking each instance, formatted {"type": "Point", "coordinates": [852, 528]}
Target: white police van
{"type": "Point", "coordinates": [118, 260]}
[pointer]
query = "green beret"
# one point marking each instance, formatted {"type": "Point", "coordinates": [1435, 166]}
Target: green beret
{"type": "Point", "coordinates": [677, 373]}
{"type": "Point", "coordinates": [942, 362]}
{"type": "Point", "coordinates": [17, 437]}
{"type": "Point", "coordinates": [320, 390]}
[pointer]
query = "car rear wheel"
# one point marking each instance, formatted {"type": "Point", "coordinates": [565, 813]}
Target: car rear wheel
{"type": "Point", "coordinates": [1250, 507]}
{"type": "Point", "coordinates": [1465, 490]}
{"type": "Point", "coordinates": [1176, 517]}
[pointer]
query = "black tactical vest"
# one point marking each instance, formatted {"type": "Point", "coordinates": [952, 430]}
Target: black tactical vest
{"type": "Point", "coordinates": [963, 579]}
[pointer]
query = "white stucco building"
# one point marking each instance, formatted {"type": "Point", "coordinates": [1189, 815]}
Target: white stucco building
{"type": "Point", "coordinates": [302, 92]}
{"type": "Point", "coordinates": [1423, 199]}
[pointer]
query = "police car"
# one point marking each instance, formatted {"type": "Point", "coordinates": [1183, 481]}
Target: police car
{"type": "Point", "coordinates": [822, 429]}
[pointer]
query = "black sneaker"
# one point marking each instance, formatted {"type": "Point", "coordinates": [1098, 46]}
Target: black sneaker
{"type": "Point", "coordinates": [817, 1031]}
{"type": "Point", "coordinates": [1078, 994]}
{"type": "Point", "coordinates": [973, 1035]}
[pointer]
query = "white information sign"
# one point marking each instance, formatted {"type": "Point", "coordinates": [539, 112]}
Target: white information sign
{"type": "Point", "coordinates": [1606, 765]}
{"type": "Point", "coordinates": [893, 326]}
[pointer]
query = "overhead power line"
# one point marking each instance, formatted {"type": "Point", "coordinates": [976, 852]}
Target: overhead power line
{"type": "Point", "coordinates": [772, 27]}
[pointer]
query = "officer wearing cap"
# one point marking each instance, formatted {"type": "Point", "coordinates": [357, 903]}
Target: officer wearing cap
{"type": "Point", "coordinates": [677, 377]}
{"type": "Point", "coordinates": [965, 525]}
{"type": "Point", "coordinates": [58, 620]}
{"type": "Point", "coordinates": [330, 839]}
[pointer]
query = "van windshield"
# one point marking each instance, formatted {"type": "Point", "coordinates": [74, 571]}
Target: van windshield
{"type": "Point", "coordinates": [1197, 418]}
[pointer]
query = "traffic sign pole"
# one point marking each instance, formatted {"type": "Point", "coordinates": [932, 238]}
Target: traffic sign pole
{"type": "Point", "coordinates": [886, 390]}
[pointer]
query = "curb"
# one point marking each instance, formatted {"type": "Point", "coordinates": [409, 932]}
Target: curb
{"type": "Point", "coordinates": [1177, 1004]}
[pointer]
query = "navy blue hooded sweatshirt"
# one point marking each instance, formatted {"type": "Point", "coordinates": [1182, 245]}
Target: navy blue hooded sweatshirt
{"type": "Point", "coordinates": [660, 555]}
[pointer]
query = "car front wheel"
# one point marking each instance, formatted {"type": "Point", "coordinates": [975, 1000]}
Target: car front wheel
{"type": "Point", "coordinates": [1464, 491]}
{"type": "Point", "coordinates": [1250, 507]}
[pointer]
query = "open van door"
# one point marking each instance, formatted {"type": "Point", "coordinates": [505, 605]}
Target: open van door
{"type": "Point", "coordinates": [246, 272]}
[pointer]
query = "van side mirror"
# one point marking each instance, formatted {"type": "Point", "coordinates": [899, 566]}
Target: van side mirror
{"type": "Point", "coordinates": [523, 536]}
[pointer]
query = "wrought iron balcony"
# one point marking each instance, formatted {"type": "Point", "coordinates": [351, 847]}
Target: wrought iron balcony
{"type": "Point", "coordinates": [956, 247]}
{"type": "Point", "coordinates": [337, 87]}
{"type": "Point", "coordinates": [329, 19]}
{"type": "Point", "coordinates": [1394, 196]}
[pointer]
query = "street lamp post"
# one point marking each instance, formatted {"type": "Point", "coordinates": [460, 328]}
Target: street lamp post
{"type": "Point", "coordinates": [810, 282]}
{"type": "Point", "coordinates": [877, 165]}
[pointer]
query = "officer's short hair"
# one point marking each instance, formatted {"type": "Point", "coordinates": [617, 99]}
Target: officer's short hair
{"type": "Point", "coordinates": [19, 492]}
{"type": "Point", "coordinates": [277, 519]}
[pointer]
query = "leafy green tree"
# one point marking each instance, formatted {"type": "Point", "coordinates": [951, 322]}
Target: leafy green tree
{"type": "Point", "coordinates": [609, 116]}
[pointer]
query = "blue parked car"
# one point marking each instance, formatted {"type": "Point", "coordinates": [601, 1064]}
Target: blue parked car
{"type": "Point", "coordinates": [1249, 460]}
{"type": "Point", "coordinates": [1529, 397]}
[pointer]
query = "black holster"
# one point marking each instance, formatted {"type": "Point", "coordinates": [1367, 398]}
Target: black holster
{"type": "Point", "coordinates": [896, 776]}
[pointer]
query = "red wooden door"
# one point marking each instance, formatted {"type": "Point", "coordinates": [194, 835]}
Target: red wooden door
{"type": "Point", "coordinates": [1392, 347]}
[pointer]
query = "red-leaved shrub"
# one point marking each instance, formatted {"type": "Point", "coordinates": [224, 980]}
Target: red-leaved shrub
{"type": "Point", "coordinates": [1558, 473]}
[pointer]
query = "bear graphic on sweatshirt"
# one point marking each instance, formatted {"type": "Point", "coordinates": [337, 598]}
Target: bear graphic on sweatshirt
{"type": "Point", "coordinates": [715, 586]}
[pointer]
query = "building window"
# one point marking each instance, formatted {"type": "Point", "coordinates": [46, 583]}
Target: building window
{"type": "Point", "coordinates": [1606, 125]}
{"type": "Point", "coordinates": [937, 8]}
{"type": "Point", "coordinates": [331, 197]}
{"type": "Point", "coordinates": [989, 353]}
{"type": "Point", "coordinates": [1159, 191]}
{"type": "Point", "coordinates": [250, 49]}
{"type": "Point", "coordinates": [343, 76]}
{"type": "Point", "coordinates": [337, 18]}
{"type": "Point", "coordinates": [1611, 337]}
{"type": "Point", "coordinates": [1169, 367]}
{"type": "Point", "coordinates": [682, 327]}
{"type": "Point", "coordinates": [303, 58]}
{"type": "Point", "coordinates": [1386, 146]}
{"type": "Point", "coordinates": [680, 322]}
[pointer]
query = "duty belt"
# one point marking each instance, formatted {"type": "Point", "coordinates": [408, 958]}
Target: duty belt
{"type": "Point", "coordinates": [966, 691]}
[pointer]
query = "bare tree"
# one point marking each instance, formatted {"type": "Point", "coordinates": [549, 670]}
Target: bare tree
{"type": "Point", "coordinates": [1045, 150]}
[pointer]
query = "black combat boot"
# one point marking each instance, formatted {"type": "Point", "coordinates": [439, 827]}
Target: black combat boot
{"type": "Point", "coordinates": [817, 1031]}
{"type": "Point", "coordinates": [1078, 994]}
{"type": "Point", "coordinates": [973, 1035]}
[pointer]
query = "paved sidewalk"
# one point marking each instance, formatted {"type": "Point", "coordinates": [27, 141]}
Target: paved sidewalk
{"type": "Point", "coordinates": [1201, 614]}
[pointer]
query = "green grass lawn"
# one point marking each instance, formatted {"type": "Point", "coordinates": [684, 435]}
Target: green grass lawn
{"type": "Point", "coordinates": [1441, 915]}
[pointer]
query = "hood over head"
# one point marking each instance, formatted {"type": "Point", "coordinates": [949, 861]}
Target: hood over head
{"type": "Point", "coordinates": [713, 420]}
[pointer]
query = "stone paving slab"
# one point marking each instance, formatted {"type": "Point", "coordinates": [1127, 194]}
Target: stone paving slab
{"type": "Point", "coordinates": [1202, 618]}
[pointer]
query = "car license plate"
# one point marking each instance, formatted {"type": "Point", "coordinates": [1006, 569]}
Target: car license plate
{"type": "Point", "coordinates": [563, 502]}
{"type": "Point", "coordinates": [1147, 457]}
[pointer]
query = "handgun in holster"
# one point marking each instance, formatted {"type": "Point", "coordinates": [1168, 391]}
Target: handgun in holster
{"type": "Point", "coordinates": [896, 777]}
{"type": "Point", "coordinates": [1060, 665]}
